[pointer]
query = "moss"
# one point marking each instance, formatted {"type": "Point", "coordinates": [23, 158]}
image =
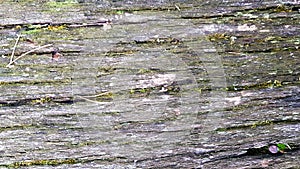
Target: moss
{"type": "Point", "coordinates": [41, 100]}
{"type": "Point", "coordinates": [56, 27]}
{"type": "Point", "coordinates": [31, 31]}
{"type": "Point", "coordinates": [159, 41]}
{"type": "Point", "coordinates": [218, 37]}
{"type": "Point", "coordinates": [35, 82]}
{"type": "Point", "coordinates": [113, 113]}
{"type": "Point", "coordinates": [146, 71]}
{"type": "Point", "coordinates": [154, 42]}
{"type": "Point", "coordinates": [18, 127]}
{"type": "Point", "coordinates": [119, 53]}
{"type": "Point", "coordinates": [202, 89]}
{"type": "Point", "coordinates": [37, 28]}
{"type": "Point", "coordinates": [172, 89]}
{"type": "Point", "coordinates": [105, 70]}
{"type": "Point", "coordinates": [282, 8]}
{"type": "Point", "coordinates": [64, 4]}
{"type": "Point", "coordinates": [268, 84]}
{"type": "Point", "coordinates": [104, 96]}
{"type": "Point", "coordinates": [43, 162]}
{"type": "Point", "coordinates": [259, 123]}
{"type": "Point", "coordinates": [134, 9]}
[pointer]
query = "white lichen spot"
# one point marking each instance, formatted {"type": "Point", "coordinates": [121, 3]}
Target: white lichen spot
{"type": "Point", "coordinates": [245, 27]}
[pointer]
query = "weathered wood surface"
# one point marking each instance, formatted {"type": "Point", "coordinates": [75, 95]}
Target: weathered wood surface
{"type": "Point", "coordinates": [153, 84]}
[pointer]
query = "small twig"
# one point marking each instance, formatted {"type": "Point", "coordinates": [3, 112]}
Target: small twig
{"type": "Point", "coordinates": [236, 53]}
{"type": "Point", "coordinates": [177, 7]}
{"type": "Point", "coordinates": [24, 54]}
{"type": "Point", "coordinates": [14, 49]}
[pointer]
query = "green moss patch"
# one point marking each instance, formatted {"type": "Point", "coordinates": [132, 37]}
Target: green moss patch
{"type": "Point", "coordinates": [52, 162]}
{"type": "Point", "coordinates": [268, 84]}
{"type": "Point", "coordinates": [258, 124]}
{"type": "Point", "coordinates": [64, 4]}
